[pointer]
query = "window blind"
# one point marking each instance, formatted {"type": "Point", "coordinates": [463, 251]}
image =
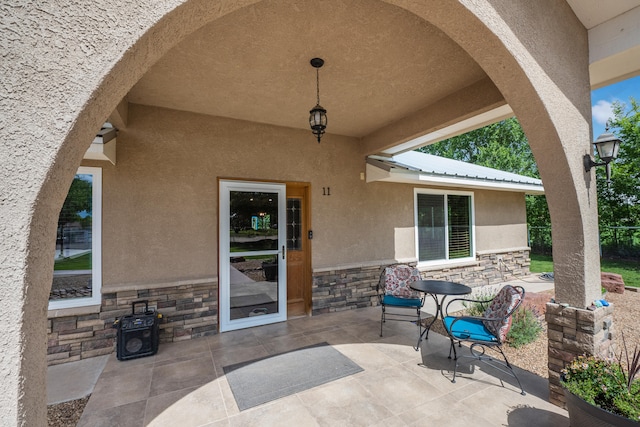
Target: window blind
{"type": "Point", "coordinates": [431, 227]}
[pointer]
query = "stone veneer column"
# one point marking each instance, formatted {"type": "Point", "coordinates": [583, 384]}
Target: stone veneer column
{"type": "Point", "coordinates": [574, 332]}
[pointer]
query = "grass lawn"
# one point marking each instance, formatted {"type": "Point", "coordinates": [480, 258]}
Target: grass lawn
{"type": "Point", "coordinates": [628, 269]}
{"type": "Point", "coordinates": [82, 262]}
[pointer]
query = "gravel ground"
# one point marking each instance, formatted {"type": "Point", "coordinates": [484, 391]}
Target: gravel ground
{"type": "Point", "coordinates": [66, 414]}
{"type": "Point", "coordinates": [532, 357]}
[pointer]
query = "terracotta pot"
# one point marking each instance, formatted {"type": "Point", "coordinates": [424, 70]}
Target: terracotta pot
{"type": "Point", "coordinates": [584, 414]}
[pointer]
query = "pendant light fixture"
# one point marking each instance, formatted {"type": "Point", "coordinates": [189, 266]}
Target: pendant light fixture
{"type": "Point", "coordinates": [317, 115]}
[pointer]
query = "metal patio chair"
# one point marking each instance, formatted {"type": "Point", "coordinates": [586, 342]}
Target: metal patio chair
{"type": "Point", "coordinates": [486, 332]}
{"type": "Point", "coordinates": [394, 292]}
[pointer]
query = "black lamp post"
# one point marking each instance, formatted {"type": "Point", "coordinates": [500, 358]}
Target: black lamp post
{"type": "Point", "coordinates": [607, 146]}
{"type": "Point", "coordinates": [317, 115]}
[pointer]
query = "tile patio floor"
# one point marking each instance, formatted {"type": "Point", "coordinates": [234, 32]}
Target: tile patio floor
{"type": "Point", "coordinates": [184, 384]}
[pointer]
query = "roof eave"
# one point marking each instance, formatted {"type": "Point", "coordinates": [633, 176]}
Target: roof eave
{"type": "Point", "coordinates": [375, 173]}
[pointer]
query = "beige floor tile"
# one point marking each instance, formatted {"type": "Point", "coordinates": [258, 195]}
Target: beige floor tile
{"type": "Point", "coordinates": [230, 356]}
{"type": "Point", "coordinates": [445, 411]}
{"type": "Point", "coordinates": [367, 356]}
{"type": "Point", "coordinates": [113, 364]}
{"type": "Point", "coordinates": [128, 415]}
{"type": "Point", "coordinates": [393, 421]}
{"type": "Point", "coordinates": [274, 330]}
{"type": "Point", "coordinates": [243, 337]}
{"type": "Point", "coordinates": [334, 336]}
{"type": "Point", "coordinates": [221, 423]}
{"type": "Point", "coordinates": [184, 384]}
{"type": "Point", "coordinates": [192, 407]}
{"type": "Point", "coordinates": [183, 374]}
{"type": "Point", "coordinates": [118, 388]}
{"type": "Point", "coordinates": [365, 332]}
{"type": "Point", "coordinates": [282, 344]}
{"type": "Point", "coordinates": [183, 350]}
{"type": "Point", "coordinates": [530, 416]}
{"type": "Point", "coordinates": [400, 389]}
{"type": "Point", "coordinates": [344, 402]}
{"type": "Point", "coordinates": [408, 329]}
{"type": "Point", "coordinates": [308, 327]}
{"type": "Point", "coordinates": [398, 349]}
{"type": "Point", "coordinates": [437, 368]}
{"type": "Point", "coordinates": [287, 411]}
{"type": "Point", "coordinates": [227, 395]}
{"type": "Point", "coordinates": [497, 402]}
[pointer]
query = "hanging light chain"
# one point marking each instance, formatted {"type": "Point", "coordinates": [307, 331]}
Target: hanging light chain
{"type": "Point", "coordinates": [318, 86]}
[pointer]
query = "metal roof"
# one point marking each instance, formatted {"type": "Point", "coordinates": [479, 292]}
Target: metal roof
{"type": "Point", "coordinates": [420, 168]}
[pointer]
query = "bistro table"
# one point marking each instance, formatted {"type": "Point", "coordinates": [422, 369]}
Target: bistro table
{"type": "Point", "coordinates": [437, 288]}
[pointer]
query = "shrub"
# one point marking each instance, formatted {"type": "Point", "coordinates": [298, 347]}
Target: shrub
{"type": "Point", "coordinates": [526, 327]}
{"type": "Point", "coordinates": [477, 308]}
{"type": "Point", "coordinates": [608, 384]}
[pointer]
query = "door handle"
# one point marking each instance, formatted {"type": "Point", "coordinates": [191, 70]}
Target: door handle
{"type": "Point", "coordinates": [282, 251]}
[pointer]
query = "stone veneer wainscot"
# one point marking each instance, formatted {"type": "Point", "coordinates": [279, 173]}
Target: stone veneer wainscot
{"type": "Point", "coordinates": [573, 332]}
{"type": "Point", "coordinates": [190, 310]}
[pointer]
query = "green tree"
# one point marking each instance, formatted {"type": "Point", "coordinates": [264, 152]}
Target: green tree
{"type": "Point", "coordinates": [619, 200]}
{"type": "Point", "coordinates": [504, 146]}
{"type": "Point", "coordinates": [79, 200]}
{"type": "Point", "coordinates": [500, 145]}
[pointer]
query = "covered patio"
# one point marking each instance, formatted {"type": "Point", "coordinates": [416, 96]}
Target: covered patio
{"type": "Point", "coordinates": [398, 386]}
{"type": "Point", "coordinates": [204, 92]}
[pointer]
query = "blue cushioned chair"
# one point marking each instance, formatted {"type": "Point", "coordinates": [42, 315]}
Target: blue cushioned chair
{"type": "Point", "coordinates": [394, 292]}
{"type": "Point", "coordinates": [486, 332]}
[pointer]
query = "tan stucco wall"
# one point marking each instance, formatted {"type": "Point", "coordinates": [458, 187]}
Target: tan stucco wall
{"type": "Point", "coordinates": [161, 199]}
{"type": "Point", "coordinates": [160, 215]}
{"type": "Point", "coordinates": [501, 220]}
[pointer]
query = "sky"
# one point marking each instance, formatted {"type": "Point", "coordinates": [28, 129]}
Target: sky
{"type": "Point", "coordinates": [602, 99]}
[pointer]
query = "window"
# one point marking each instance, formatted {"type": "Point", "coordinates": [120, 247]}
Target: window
{"type": "Point", "coordinates": [77, 275]}
{"type": "Point", "coordinates": [444, 226]}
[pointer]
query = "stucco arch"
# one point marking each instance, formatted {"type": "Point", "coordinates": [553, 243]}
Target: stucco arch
{"type": "Point", "coordinates": [547, 85]}
{"type": "Point", "coordinates": [67, 68]}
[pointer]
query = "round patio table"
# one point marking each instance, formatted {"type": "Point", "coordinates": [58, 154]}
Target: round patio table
{"type": "Point", "coordinates": [439, 290]}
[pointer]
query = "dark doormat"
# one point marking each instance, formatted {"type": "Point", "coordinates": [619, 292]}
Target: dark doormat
{"type": "Point", "coordinates": [263, 380]}
{"type": "Point", "coordinates": [252, 305]}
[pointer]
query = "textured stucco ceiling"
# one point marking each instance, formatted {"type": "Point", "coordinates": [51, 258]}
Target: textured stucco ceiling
{"type": "Point", "coordinates": [381, 64]}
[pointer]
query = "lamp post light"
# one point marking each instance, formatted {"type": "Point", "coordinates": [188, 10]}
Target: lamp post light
{"type": "Point", "coordinates": [607, 146]}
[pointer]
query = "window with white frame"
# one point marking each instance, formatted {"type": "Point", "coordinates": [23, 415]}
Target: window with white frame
{"type": "Point", "coordinates": [444, 226]}
{"type": "Point", "coordinates": [77, 275]}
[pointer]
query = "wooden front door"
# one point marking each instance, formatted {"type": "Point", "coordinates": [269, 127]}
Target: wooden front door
{"type": "Point", "coordinates": [298, 251]}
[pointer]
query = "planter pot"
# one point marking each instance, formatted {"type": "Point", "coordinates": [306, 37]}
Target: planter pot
{"type": "Point", "coordinates": [584, 414]}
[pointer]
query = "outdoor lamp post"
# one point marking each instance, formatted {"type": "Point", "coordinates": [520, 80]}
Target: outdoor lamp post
{"type": "Point", "coordinates": [607, 146]}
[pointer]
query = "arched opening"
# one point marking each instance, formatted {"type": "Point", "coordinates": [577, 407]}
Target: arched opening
{"type": "Point", "coordinates": [490, 50]}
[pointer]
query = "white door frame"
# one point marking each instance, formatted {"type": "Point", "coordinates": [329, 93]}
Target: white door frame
{"type": "Point", "coordinates": [226, 324]}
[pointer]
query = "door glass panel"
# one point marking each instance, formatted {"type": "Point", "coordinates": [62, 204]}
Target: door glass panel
{"type": "Point", "coordinates": [294, 229]}
{"type": "Point", "coordinates": [254, 221]}
{"type": "Point", "coordinates": [253, 252]}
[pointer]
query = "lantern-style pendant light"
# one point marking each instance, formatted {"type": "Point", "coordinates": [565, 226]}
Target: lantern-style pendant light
{"type": "Point", "coordinates": [317, 115]}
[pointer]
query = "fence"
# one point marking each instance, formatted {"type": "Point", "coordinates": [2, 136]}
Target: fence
{"type": "Point", "coordinates": [615, 242]}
